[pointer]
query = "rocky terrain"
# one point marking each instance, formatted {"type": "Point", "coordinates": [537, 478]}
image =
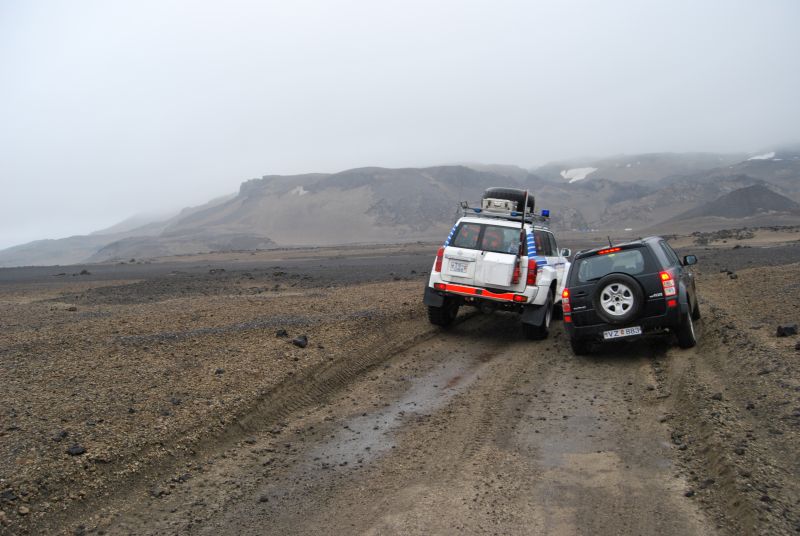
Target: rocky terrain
{"type": "Point", "coordinates": [654, 192]}
{"type": "Point", "coordinates": [302, 391]}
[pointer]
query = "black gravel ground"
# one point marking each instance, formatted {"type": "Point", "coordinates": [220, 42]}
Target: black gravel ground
{"type": "Point", "coordinates": [323, 270]}
{"type": "Point", "coordinates": [184, 278]}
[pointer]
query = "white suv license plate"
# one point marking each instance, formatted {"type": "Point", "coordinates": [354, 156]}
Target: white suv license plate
{"type": "Point", "coordinates": [459, 267]}
{"type": "Point", "coordinates": [624, 332]}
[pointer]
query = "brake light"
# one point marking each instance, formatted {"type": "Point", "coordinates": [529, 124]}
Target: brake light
{"type": "Point", "coordinates": [515, 277]}
{"type": "Point", "coordinates": [609, 250]}
{"type": "Point", "coordinates": [439, 258]}
{"type": "Point", "coordinates": [531, 279]}
{"type": "Point", "coordinates": [668, 284]}
{"type": "Point", "coordinates": [565, 305]}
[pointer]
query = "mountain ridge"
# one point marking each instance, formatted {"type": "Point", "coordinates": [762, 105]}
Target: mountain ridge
{"type": "Point", "coordinates": [742, 203]}
{"type": "Point", "coordinates": [380, 205]}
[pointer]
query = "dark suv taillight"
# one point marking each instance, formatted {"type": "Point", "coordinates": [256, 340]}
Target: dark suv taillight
{"type": "Point", "coordinates": [668, 284]}
{"type": "Point", "coordinates": [566, 308]}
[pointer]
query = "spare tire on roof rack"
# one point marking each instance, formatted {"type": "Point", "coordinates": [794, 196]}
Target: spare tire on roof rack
{"type": "Point", "coordinates": [511, 194]}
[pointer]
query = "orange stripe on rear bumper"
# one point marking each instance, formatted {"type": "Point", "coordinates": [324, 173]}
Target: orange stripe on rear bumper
{"type": "Point", "coordinates": [472, 291]}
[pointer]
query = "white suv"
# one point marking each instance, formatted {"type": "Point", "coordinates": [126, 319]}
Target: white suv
{"type": "Point", "coordinates": [499, 256]}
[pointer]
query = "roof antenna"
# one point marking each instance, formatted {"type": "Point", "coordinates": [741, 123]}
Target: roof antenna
{"type": "Point", "coordinates": [609, 242]}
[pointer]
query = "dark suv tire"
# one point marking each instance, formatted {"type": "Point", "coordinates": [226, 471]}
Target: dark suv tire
{"type": "Point", "coordinates": [580, 347]}
{"type": "Point", "coordinates": [685, 332]}
{"type": "Point", "coordinates": [443, 316]}
{"type": "Point", "coordinates": [512, 194]}
{"type": "Point", "coordinates": [618, 298]}
{"type": "Point", "coordinates": [696, 311]}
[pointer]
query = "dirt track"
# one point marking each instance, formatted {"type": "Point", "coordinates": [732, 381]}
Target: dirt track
{"type": "Point", "coordinates": [475, 431]}
{"type": "Point", "coordinates": [395, 427]}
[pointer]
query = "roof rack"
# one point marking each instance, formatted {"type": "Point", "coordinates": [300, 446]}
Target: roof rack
{"type": "Point", "coordinates": [513, 215]}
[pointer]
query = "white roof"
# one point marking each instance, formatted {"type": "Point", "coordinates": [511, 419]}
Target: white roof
{"type": "Point", "coordinates": [502, 222]}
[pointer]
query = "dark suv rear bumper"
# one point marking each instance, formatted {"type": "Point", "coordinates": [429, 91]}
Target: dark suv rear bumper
{"type": "Point", "coordinates": [650, 325]}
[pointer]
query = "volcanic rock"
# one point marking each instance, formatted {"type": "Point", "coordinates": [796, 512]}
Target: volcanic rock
{"type": "Point", "coordinates": [785, 331]}
{"type": "Point", "coordinates": [76, 450]}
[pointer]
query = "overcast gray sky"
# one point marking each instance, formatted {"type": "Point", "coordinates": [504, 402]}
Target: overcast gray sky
{"type": "Point", "coordinates": [109, 108]}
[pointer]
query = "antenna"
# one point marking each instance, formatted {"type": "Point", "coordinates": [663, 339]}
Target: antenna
{"type": "Point", "coordinates": [522, 233]}
{"type": "Point", "coordinates": [609, 242]}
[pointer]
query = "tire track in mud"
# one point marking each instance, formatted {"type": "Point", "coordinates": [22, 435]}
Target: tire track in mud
{"type": "Point", "coordinates": [317, 386]}
{"type": "Point", "coordinates": [460, 450]}
{"type": "Point", "coordinates": [471, 462]}
{"type": "Point", "coordinates": [314, 387]}
{"type": "Point", "coordinates": [422, 385]}
{"type": "Point", "coordinates": [434, 451]}
{"type": "Point", "coordinates": [495, 384]}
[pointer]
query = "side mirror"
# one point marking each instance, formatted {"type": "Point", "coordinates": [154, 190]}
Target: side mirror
{"type": "Point", "coordinates": [689, 260]}
{"type": "Point", "coordinates": [566, 252]}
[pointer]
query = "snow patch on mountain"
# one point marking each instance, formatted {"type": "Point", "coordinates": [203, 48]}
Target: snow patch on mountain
{"type": "Point", "coordinates": [299, 190]}
{"type": "Point", "coordinates": [765, 156]}
{"type": "Point", "coordinates": [577, 174]}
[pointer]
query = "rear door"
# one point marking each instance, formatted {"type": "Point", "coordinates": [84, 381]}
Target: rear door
{"type": "Point", "coordinates": [482, 255]}
{"type": "Point", "coordinates": [585, 273]}
{"type": "Point", "coordinates": [498, 257]}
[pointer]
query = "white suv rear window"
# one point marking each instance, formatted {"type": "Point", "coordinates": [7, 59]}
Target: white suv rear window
{"type": "Point", "coordinates": [487, 238]}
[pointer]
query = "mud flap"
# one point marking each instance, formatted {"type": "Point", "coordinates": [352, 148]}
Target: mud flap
{"type": "Point", "coordinates": [683, 300]}
{"type": "Point", "coordinates": [432, 298]}
{"type": "Point", "coordinates": [533, 315]}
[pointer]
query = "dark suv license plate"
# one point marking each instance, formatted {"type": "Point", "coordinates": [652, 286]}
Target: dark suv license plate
{"type": "Point", "coordinates": [624, 332]}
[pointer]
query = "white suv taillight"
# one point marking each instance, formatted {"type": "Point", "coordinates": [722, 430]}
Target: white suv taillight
{"type": "Point", "coordinates": [668, 284]}
{"type": "Point", "coordinates": [439, 258]}
{"type": "Point", "coordinates": [531, 279]}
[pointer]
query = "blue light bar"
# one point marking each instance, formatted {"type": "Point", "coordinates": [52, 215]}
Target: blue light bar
{"type": "Point", "coordinates": [514, 213]}
{"type": "Point", "coordinates": [477, 210]}
{"type": "Point", "coordinates": [546, 213]}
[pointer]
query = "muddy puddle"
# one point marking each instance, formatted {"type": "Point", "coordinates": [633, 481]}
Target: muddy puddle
{"type": "Point", "coordinates": [367, 436]}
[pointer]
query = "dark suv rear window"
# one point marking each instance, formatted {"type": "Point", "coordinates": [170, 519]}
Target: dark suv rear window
{"type": "Point", "coordinates": [629, 261]}
{"type": "Point", "coordinates": [486, 238]}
